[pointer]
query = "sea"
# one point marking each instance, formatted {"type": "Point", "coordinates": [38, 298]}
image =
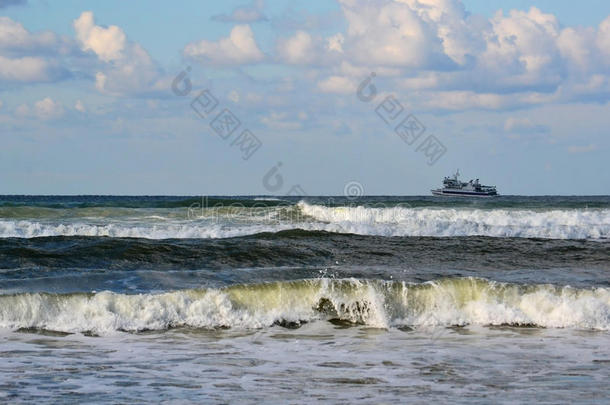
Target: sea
{"type": "Point", "coordinates": [258, 299]}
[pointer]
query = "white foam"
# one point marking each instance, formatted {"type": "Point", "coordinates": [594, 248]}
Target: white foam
{"type": "Point", "coordinates": [401, 221]}
{"type": "Point", "coordinates": [390, 221]}
{"type": "Point", "coordinates": [161, 230]}
{"type": "Point", "coordinates": [374, 303]}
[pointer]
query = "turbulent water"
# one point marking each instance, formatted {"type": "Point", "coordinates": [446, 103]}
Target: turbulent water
{"type": "Point", "coordinates": [376, 299]}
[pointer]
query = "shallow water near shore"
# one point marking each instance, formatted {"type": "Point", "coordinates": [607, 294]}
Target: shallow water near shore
{"type": "Point", "coordinates": [317, 361]}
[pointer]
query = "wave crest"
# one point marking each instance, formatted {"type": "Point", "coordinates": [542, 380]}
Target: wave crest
{"type": "Point", "coordinates": [403, 221]}
{"type": "Point", "coordinates": [226, 222]}
{"type": "Point", "coordinates": [375, 303]}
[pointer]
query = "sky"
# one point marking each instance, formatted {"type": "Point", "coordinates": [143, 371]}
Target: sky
{"type": "Point", "coordinates": [319, 97]}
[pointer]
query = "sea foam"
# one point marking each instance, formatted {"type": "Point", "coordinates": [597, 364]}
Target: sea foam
{"type": "Point", "coordinates": [380, 304]}
{"type": "Point", "coordinates": [404, 221]}
{"type": "Point", "coordinates": [363, 220]}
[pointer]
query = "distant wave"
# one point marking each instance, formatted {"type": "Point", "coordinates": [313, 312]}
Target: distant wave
{"type": "Point", "coordinates": [401, 221]}
{"type": "Point", "coordinates": [33, 229]}
{"type": "Point", "coordinates": [381, 304]}
{"type": "Point", "coordinates": [362, 220]}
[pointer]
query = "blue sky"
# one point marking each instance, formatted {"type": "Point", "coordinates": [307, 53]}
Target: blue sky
{"type": "Point", "coordinates": [515, 94]}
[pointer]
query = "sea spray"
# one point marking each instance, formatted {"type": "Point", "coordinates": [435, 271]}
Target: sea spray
{"type": "Point", "coordinates": [391, 221]}
{"type": "Point", "coordinates": [375, 303]}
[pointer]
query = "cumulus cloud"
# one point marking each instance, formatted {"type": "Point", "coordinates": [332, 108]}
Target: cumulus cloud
{"type": "Point", "coordinates": [29, 57]}
{"type": "Point", "coordinates": [603, 40]}
{"type": "Point", "coordinates": [513, 51]}
{"type": "Point", "coordinates": [574, 46]}
{"type": "Point", "coordinates": [522, 50]}
{"type": "Point", "coordinates": [445, 57]}
{"type": "Point", "coordinates": [136, 73]}
{"type": "Point", "coordinates": [391, 33]}
{"type": "Point", "coordinates": [126, 68]}
{"type": "Point", "coordinates": [13, 36]}
{"type": "Point", "coordinates": [79, 106]}
{"type": "Point", "coordinates": [281, 122]}
{"type": "Point", "coordinates": [45, 109]}
{"type": "Point", "coordinates": [297, 49]}
{"type": "Point", "coordinates": [238, 48]}
{"type": "Point", "coordinates": [335, 43]}
{"type": "Point", "coordinates": [454, 59]}
{"type": "Point", "coordinates": [107, 43]}
{"type": "Point", "coordinates": [244, 14]}
{"type": "Point", "coordinates": [26, 69]}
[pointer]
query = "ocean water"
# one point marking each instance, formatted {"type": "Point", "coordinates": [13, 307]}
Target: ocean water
{"type": "Point", "coordinates": [299, 300]}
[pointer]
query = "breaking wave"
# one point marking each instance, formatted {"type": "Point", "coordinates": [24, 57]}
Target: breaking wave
{"type": "Point", "coordinates": [382, 304]}
{"type": "Point", "coordinates": [363, 220]}
{"type": "Point", "coordinates": [401, 221]}
{"type": "Point", "coordinates": [185, 230]}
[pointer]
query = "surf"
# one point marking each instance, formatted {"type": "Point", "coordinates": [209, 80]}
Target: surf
{"type": "Point", "coordinates": [374, 303]}
{"type": "Point", "coordinates": [375, 219]}
{"type": "Point", "coordinates": [443, 222]}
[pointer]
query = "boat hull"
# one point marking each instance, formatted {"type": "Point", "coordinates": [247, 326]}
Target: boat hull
{"type": "Point", "coordinates": [460, 193]}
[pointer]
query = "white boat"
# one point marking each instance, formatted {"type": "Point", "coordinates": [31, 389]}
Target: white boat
{"type": "Point", "coordinates": [453, 187]}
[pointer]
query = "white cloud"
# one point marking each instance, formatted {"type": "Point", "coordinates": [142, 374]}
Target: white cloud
{"type": "Point", "coordinates": [29, 57]}
{"type": "Point", "coordinates": [107, 43]}
{"type": "Point", "coordinates": [297, 49]}
{"type": "Point", "coordinates": [435, 34]}
{"type": "Point", "coordinates": [435, 47]}
{"type": "Point", "coordinates": [45, 109]}
{"type": "Point", "coordinates": [603, 39]}
{"type": "Point", "coordinates": [14, 36]}
{"type": "Point", "coordinates": [459, 32]}
{"type": "Point", "coordinates": [280, 122]}
{"type": "Point", "coordinates": [337, 84]}
{"type": "Point", "coordinates": [335, 43]}
{"type": "Point", "coordinates": [574, 46]}
{"type": "Point", "coordinates": [26, 69]}
{"type": "Point", "coordinates": [79, 106]}
{"type": "Point", "coordinates": [127, 68]}
{"type": "Point", "coordinates": [121, 67]}
{"type": "Point", "coordinates": [522, 48]}
{"type": "Point", "coordinates": [238, 48]}
{"type": "Point", "coordinates": [136, 73]}
{"type": "Point", "coordinates": [390, 33]}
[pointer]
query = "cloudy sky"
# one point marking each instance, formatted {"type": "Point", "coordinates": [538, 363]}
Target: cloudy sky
{"type": "Point", "coordinates": [270, 97]}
